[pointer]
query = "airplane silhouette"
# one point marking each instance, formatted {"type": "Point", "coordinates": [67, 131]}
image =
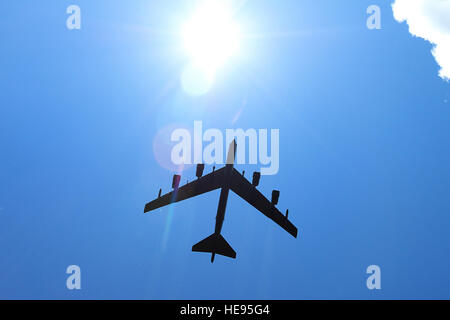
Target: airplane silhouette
{"type": "Point", "coordinates": [225, 178]}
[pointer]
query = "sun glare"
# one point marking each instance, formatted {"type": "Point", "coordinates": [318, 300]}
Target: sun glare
{"type": "Point", "coordinates": [210, 36]}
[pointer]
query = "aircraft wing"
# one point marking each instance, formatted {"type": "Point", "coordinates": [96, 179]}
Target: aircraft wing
{"type": "Point", "coordinates": [207, 183]}
{"type": "Point", "coordinates": [243, 188]}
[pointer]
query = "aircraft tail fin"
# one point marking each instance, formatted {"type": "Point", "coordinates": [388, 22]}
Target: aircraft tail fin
{"type": "Point", "coordinates": [215, 244]}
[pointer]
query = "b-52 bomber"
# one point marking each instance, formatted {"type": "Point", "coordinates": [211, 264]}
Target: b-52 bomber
{"type": "Point", "coordinates": [226, 179]}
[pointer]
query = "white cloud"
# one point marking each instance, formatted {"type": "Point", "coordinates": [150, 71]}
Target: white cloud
{"type": "Point", "coordinates": [430, 20]}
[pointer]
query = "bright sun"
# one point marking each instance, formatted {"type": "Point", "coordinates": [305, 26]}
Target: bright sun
{"type": "Point", "coordinates": [210, 35]}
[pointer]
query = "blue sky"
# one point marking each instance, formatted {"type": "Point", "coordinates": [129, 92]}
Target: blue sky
{"type": "Point", "coordinates": [364, 157]}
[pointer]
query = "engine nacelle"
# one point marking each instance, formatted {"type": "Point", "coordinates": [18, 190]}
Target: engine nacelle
{"type": "Point", "coordinates": [176, 181]}
{"type": "Point", "coordinates": [200, 168]}
{"type": "Point", "coordinates": [275, 197]}
{"type": "Point", "coordinates": [256, 177]}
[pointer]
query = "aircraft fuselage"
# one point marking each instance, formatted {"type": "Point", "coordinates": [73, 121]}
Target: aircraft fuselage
{"type": "Point", "coordinates": [223, 199]}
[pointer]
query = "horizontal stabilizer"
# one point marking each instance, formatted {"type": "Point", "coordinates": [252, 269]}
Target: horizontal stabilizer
{"type": "Point", "coordinates": [215, 243]}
